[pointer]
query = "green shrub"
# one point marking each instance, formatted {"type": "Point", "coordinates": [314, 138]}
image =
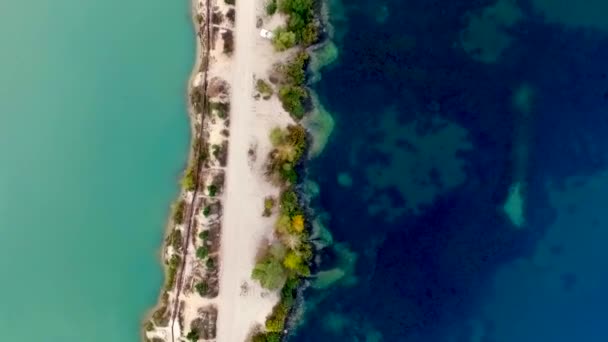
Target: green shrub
{"type": "Point", "coordinates": [192, 336]}
{"type": "Point", "coordinates": [292, 98]}
{"type": "Point", "coordinates": [271, 7]}
{"type": "Point", "coordinates": [292, 261]}
{"type": "Point", "coordinates": [290, 205]}
{"type": "Point", "coordinates": [289, 174]}
{"type": "Point", "coordinates": [295, 71]}
{"type": "Point", "coordinates": [266, 337]}
{"type": "Point", "coordinates": [206, 211]}
{"type": "Point", "coordinates": [264, 88]}
{"type": "Point", "coordinates": [172, 270]}
{"type": "Point", "coordinates": [179, 212]}
{"type": "Point", "coordinates": [215, 150]}
{"type": "Point", "coordinates": [305, 250]}
{"type": "Point", "coordinates": [269, 203]}
{"type": "Point", "coordinates": [221, 109]}
{"type": "Point", "coordinates": [175, 239]}
{"type": "Point", "coordinates": [301, 19]}
{"type": "Point", "coordinates": [229, 2]}
{"type": "Point", "coordinates": [283, 39]}
{"type": "Point", "coordinates": [212, 189]}
{"type": "Point", "coordinates": [189, 180]}
{"type": "Point", "coordinates": [149, 326]}
{"type": "Point", "coordinates": [288, 292]}
{"type": "Point", "coordinates": [202, 288]}
{"type": "Point", "coordinates": [270, 273]}
{"type": "Point", "coordinates": [210, 263]}
{"type": "Point", "coordinates": [277, 136]}
{"type": "Point", "coordinates": [204, 235]}
{"type": "Point", "coordinates": [310, 34]}
{"type": "Point", "coordinates": [275, 322]}
{"type": "Point", "coordinates": [202, 252]}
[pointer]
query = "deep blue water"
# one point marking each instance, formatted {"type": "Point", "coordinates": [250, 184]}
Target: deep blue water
{"type": "Point", "coordinates": [442, 110]}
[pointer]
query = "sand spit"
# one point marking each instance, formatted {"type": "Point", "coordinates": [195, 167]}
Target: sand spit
{"type": "Point", "coordinates": [213, 237]}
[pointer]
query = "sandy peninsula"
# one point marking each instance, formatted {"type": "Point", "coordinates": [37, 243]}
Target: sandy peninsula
{"type": "Point", "coordinates": [217, 226]}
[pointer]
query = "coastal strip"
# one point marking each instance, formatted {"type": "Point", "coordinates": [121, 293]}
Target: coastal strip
{"type": "Point", "coordinates": [246, 96]}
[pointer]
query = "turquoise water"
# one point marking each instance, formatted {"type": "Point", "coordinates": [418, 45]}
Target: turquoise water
{"type": "Point", "coordinates": [93, 135]}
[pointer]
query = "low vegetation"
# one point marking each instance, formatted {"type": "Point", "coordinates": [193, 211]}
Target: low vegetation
{"type": "Point", "coordinates": [221, 109]}
{"type": "Point", "coordinates": [283, 263]}
{"type": "Point", "coordinates": [269, 203]}
{"type": "Point", "coordinates": [189, 180]}
{"type": "Point", "coordinates": [173, 264]}
{"type": "Point", "coordinates": [292, 90]}
{"type": "Point", "coordinates": [266, 337]}
{"type": "Point", "coordinates": [202, 288]}
{"type": "Point", "coordinates": [179, 211]}
{"type": "Point", "coordinates": [231, 15]}
{"type": "Point", "coordinates": [271, 7]}
{"type": "Point", "coordinates": [212, 190]}
{"type": "Point", "coordinates": [192, 336]}
{"type": "Point", "coordinates": [264, 88]}
{"type": "Point", "coordinates": [202, 252]}
{"type": "Point", "coordinates": [289, 147]}
{"type": "Point", "coordinates": [217, 18]}
{"type": "Point", "coordinates": [283, 39]}
{"type": "Point", "coordinates": [175, 240]}
{"type": "Point", "coordinates": [301, 23]}
{"type": "Point", "coordinates": [228, 39]}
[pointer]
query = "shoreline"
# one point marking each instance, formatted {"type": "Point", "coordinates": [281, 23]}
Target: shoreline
{"type": "Point", "coordinates": [197, 68]}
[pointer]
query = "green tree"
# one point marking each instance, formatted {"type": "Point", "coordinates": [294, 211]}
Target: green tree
{"type": "Point", "coordinates": [189, 180]}
{"type": "Point", "coordinates": [270, 273]}
{"type": "Point", "coordinates": [202, 288]}
{"type": "Point", "coordinates": [192, 336]}
{"type": "Point", "coordinates": [283, 39]}
{"type": "Point", "coordinates": [202, 252]}
{"type": "Point", "coordinates": [179, 211]}
{"type": "Point", "coordinates": [292, 261]}
{"type": "Point", "coordinates": [271, 7]}
{"type": "Point", "coordinates": [292, 97]}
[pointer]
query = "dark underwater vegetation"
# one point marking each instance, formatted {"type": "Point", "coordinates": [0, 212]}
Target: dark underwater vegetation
{"type": "Point", "coordinates": [461, 192]}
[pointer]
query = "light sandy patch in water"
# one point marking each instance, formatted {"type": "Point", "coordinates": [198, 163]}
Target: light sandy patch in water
{"type": "Point", "coordinates": [575, 13]}
{"type": "Point", "coordinates": [485, 37]}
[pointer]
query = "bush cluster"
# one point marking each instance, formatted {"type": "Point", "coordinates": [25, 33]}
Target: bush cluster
{"type": "Point", "coordinates": [271, 7]}
{"type": "Point", "coordinates": [172, 272]}
{"type": "Point", "coordinates": [292, 91]}
{"type": "Point", "coordinates": [269, 203]}
{"type": "Point", "coordinates": [285, 262]}
{"type": "Point", "coordinates": [301, 22]}
{"type": "Point", "coordinates": [264, 88]}
{"type": "Point", "coordinates": [189, 180]}
{"type": "Point", "coordinates": [179, 211]}
{"type": "Point", "coordinates": [266, 337]}
{"type": "Point", "coordinates": [202, 252]}
{"type": "Point", "coordinates": [289, 147]}
{"type": "Point", "coordinates": [175, 239]}
{"type": "Point", "coordinates": [202, 288]}
{"type": "Point", "coordinates": [192, 336]}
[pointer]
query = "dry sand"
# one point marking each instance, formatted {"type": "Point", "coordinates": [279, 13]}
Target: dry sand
{"type": "Point", "coordinates": [242, 302]}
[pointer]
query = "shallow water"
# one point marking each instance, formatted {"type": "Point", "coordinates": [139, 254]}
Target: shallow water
{"type": "Point", "coordinates": [93, 136]}
{"type": "Point", "coordinates": [460, 193]}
